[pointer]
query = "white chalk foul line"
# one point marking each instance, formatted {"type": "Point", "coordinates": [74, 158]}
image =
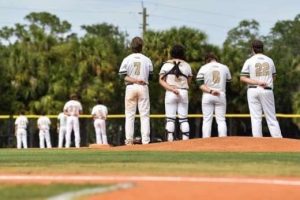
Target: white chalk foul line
{"type": "Point", "coordinates": [91, 191]}
{"type": "Point", "coordinates": [83, 178]}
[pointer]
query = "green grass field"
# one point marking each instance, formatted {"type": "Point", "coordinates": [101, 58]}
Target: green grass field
{"type": "Point", "coordinates": [39, 192]}
{"type": "Point", "coordinates": [89, 161]}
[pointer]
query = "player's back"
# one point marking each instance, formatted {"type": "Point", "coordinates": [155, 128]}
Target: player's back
{"type": "Point", "coordinates": [62, 119]}
{"type": "Point", "coordinates": [137, 65]}
{"type": "Point", "coordinates": [172, 79]}
{"type": "Point", "coordinates": [261, 68]}
{"type": "Point", "coordinates": [21, 122]}
{"type": "Point", "coordinates": [73, 107]}
{"type": "Point", "coordinates": [215, 75]}
{"type": "Point", "coordinates": [44, 123]}
{"type": "Point", "coordinates": [100, 111]}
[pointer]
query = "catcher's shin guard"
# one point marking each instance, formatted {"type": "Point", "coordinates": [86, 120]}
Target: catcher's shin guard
{"type": "Point", "coordinates": [170, 129]}
{"type": "Point", "coordinates": [184, 128]}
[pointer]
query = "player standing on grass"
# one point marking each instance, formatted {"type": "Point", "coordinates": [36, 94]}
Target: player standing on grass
{"type": "Point", "coordinates": [99, 113]}
{"type": "Point", "coordinates": [212, 78]}
{"type": "Point", "coordinates": [61, 128]}
{"type": "Point", "coordinates": [175, 76]}
{"type": "Point", "coordinates": [259, 73]}
{"type": "Point", "coordinates": [44, 134]}
{"type": "Point", "coordinates": [136, 69]}
{"type": "Point", "coordinates": [20, 130]}
{"type": "Point", "coordinates": [73, 109]}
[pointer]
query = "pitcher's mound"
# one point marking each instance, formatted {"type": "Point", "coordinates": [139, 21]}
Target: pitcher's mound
{"type": "Point", "coordinates": [228, 144]}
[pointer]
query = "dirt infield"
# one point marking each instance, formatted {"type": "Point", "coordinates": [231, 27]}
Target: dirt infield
{"type": "Point", "coordinates": [213, 191]}
{"type": "Point", "coordinates": [226, 144]}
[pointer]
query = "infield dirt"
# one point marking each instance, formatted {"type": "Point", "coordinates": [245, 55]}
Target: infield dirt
{"type": "Point", "coordinates": [215, 144]}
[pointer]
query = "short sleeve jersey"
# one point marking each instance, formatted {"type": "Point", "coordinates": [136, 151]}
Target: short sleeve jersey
{"type": "Point", "coordinates": [73, 107]}
{"type": "Point", "coordinates": [62, 119]}
{"type": "Point", "coordinates": [44, 123]}
{"type": "Point", "coordinates": [261, 68]}
{"type": "Point", "coordinates": [137, 66]}
{"type": "Point", "coordinates": [215, 75]}
{"type": "Point", "coordinates": [180, 82]}
{"type": "Point", "coordinates": [99, 111]}
{"type": "Point", "coordinates": [21, 122]}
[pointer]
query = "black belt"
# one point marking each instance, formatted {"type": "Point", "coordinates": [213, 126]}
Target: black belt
{"type": "Point", "coordinates": [255, 86]}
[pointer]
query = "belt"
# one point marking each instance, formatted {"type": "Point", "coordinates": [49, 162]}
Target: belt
{"type": "Point", "coordinates": [255, 86]}
{"type": "Point", "coordinates": [133, 84]}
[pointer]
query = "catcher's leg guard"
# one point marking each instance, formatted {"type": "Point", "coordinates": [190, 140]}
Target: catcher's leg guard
{"type": "Point", "coordinates": [170, 129]}
{"type": "Point", "coordinates": [184, 128]}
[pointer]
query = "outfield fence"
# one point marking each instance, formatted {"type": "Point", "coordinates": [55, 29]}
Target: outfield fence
{"type": "Point", "coordinates": [238, 125]}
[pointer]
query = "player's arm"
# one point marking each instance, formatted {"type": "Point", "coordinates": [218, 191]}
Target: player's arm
{"type": "Point", "coordinates": [203, 86]}
{"type": "Point", "coordinates": [250, 81]}
{"type": "Point", "coordinates": [66, 112]}
{"type": "Point", "coordinates": [134, 80]}
{"type": "Point", "coordinates": [94, 116]}
{"type": "Point", "coordinates": [165, 85]}
{"type": "Point", "coordinates": [207, 89]}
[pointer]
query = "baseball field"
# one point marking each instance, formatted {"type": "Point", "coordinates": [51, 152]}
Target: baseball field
{"type": "Point", "coordinates": [214, 168]}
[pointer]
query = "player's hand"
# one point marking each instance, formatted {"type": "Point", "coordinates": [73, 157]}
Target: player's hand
{"type": "Point", "coordinates": [262, 84]}
{"type": "Point", "coordinates": [175, 91]}
{"type": "Point", "coordinates": [140, 82]}
{"type": "Point", "coordinates": [215, 93]}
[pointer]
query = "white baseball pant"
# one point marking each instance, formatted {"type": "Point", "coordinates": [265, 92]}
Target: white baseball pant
{"type": "Point", "coordinates": [262, 100]}
{"type": "Point", "coordinates": [21, 138]}
{"type": "Point", "coordinates": [100, 129]}
{"type": "Point", "coordinates": [214, 104]}
{"type": "Point", "coordinates": [177, 104]}
{"type": "Point", "coordinates": [72, 124]}
{"type": "Point", "coordinates": [61, 136]}
{"type": "Point", "coordinates": [137, 96]}
{"type": "Point", "coordinates": [44, 136]}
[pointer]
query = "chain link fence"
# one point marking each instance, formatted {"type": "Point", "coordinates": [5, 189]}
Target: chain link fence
{"type": "Point", "coordinates": [237, 124]}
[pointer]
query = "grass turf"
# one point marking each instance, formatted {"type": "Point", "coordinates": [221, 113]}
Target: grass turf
{"type": "Point", "coordinates": [38, 192]}
{"type": "Point", "coordinates": [89, 161]}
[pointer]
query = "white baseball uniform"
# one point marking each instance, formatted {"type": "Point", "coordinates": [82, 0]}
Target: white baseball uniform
{"type": "Point", "coordinates": [62, 128]}
{"type": "Point", "coordinates": [177, 104]}
{"type": "Point", "coordinates": [214, 75]}
{"type": "Point", "coordinates": [138, 66]}
{"type": "Point", "coordinates": [99, 113]}
{"type": "Point", "coordinates": [44, 134]}
{"type": "Point", "coordinates": [21, 132]}
{"type": "Point", "coordinates": [73, 108]}
{"type": "Point", "coordinates": [261, 100]}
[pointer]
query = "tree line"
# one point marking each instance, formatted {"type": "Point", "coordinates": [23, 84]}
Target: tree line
{"type": "Point", "coordinates": [42, 62]}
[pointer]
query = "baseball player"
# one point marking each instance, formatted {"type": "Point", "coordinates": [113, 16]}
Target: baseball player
{"type": "Point", "coordinates": [136, 68]}
{"type": "Point", "coordinates": [175, 76]}
{"type": "Point", "coordinates": [44, 134]}
{"type": "Point", "coordinates": [20, 130]}
{"type": "Point", "coordinates": [73, 109]}
{"type": "Point", "coordinates": [99, 113]}
{"type": "Point", "coordinates": [259, 73]}
{"type": "Point", "coordinates": [61, 128]}
{"type": "Point", "coordinates": [212, 78]}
